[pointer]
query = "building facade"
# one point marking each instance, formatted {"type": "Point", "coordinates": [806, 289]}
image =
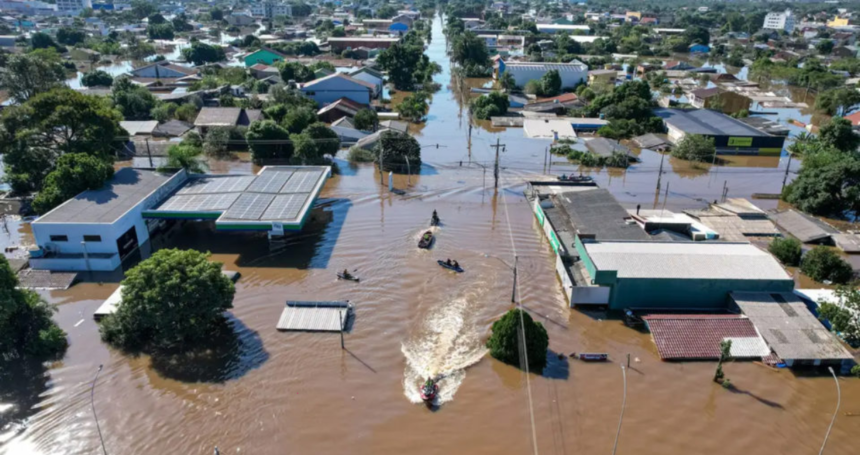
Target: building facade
{"type": "Point", "coordinates": [73, 7]}
{"type": "Point", "coordinates": [779, 21]}
{"type": "Point", "coordinates": [571, 73]}
{"type": "Point", "coordinates": [271, 10]}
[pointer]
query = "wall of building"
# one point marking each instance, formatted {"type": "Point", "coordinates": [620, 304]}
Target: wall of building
{"type": "Point", "coordinates": [524, 74]}
{"type": "Point", "coordinates": [685, 293]}
{"type": "Point", "coordinates": [332, 90]}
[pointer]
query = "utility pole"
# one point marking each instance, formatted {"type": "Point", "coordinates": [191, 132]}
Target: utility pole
{"type": "Point", "coordinates": [660, 172]}
{"type": "Point", "coordinates": [785, 178]}
{"type": "Point", "coordinates": [148, 152]}
{"type": "Point", "coordinates": [496, 167]}
{"type": "Point", "coordinates": [381, 172]}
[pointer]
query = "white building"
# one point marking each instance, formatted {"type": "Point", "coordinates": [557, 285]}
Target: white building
{"type": "Point", "coordinates": [30, 8]}
{"type": "Point", "coordinates": [571, 73]}
{"type": "Point", "coordinates": [779, 21]}
{"type": "Point", "coordinates": [73, 7]}
{"type": "Point", "coordinates": [270, 9]}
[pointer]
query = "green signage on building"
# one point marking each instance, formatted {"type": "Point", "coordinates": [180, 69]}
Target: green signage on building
{"type": "Point", "coordinates": [740, 142]}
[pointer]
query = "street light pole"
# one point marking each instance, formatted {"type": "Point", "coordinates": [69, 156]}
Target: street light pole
{"type": "Point", "coordinates": [836, 411]}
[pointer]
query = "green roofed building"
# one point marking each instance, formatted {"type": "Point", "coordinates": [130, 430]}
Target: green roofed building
{"type": "Point", "coordinates": [265, 56]}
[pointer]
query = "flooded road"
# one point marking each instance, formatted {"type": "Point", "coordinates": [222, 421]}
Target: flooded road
{"type": "Point", "coordinates": [267, 392]}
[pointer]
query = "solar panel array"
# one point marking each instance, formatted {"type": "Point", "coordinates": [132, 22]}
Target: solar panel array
{"type": "Point", "coordinates": [285, 207]}
{"type": "Point", "coordinates": [302, 181]}
{"type": "Point", "coordinates": [249, 206]}
{"type": "Point", "coordinates": [276, 194]}
{"type": "Point", "coordinates": [226, 184]}
{"type": "Point", "coordinates": [199, 202]}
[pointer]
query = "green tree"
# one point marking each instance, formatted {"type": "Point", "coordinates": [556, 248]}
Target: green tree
{"type": "Point", "coordinates": [507, 81]}
{"type": "Point", "coordinates": [550, 83]}
{"type": "Point", "coordinates": [180, 23]}
{"type": "Point", "coordinates": [305, 150]}
{"type": "Point", "coordinates": [824, 47]}
{"type": "Point", "coordinates": [822, 263]}
{"type": "Point", "coordinates": [397, 148]}
{"type": "Point", "coordinates": [490, 105]}
{"type": "Point", "coordinates": [366, 120]}
{"type": "Point", "coordinates": [510, 334]}
{"type": "Point", "coordinates": [201, 53]}
{"type": "Point", "coordinates": [160, 31]}
{"type": "Point", "coordinates": [163, 112]}
{"type": "Point", "coordinates": [413, 107]}
{"type": "Point", "coordinates": [831, 100]}
{"type": "Point", "coordinates": [725, 355]}
{"type": "Point", "coordinates": [787, 250]}
{"type": "Point", "coordinates": [26, 327]}
{"type": "Point", "coordinates": [40, 40]}
{"type": "Point", "coordinates": [469, 49]}
{"type": "Point", "coordinates": [296, 120]}
{"type": "Point", "coordinates": [187, 112]}
{"type": "Point", "coordinates": [156, 19]}
{"type": "Point", "coordinates": [171, 301]}
{"type": "Point", "coordinates": [406, 64]}
{"type": "Point", "coordinates": [295, 71]}
{"type": "Point", "coordinates": [217, 14]}
{"type": "Point", "coordinates": [839, 133]}
{"type": "Point", "coordinates": [25, 75]}
{"type": "Point", "coordinates": [184, 156]}
{"type": "Point", "coordinates": [135, 102]}
{"type": "Point", "coordinates": [844, 313]}
{"type": "Point", "coordinates": [74, 174]}
{"type": "Point", "coordinates": [142, 8]}
{"type": "Point", "coordinates": [828, 184]}
{"type": "Point", "coordinates": [268, 140]}
{"type": "Point", "coordinates": [385, 12]}
{"type": "Point", "coordinates": [217, 141]}
{"type": "Point", "coordinates": [97, 78]}
{"type": "Point", "coordinates": [327, 141]}
{"type": "Point", "coordinates": [70, 36]}
{"type": "Point", "coordinates": [34, 134]}
{"type": "Point", "coordinates": [695, 147]}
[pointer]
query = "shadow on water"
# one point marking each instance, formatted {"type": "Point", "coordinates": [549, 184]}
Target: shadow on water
{"type": "Point", "coordinates": [311, 248]}
{"type": "Point", "coordinates": [557, 366]}
{"type": "Point", "coordinates": [23, 381]}
{"type": "Point", "coordinates": [233, 351]}
{"type": "Point", "coordinates": [761, 400]}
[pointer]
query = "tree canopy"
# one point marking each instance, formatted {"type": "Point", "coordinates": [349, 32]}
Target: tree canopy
{"type": "Point", "coordinates": [844, 313]}
{"type": "Point", "coordinates": [296, 120]}
{"type": "Point", "coordinates": [406, 63]}
{"type": "Point", "coordinates": [490, 105]}
{"type": "Point", "coordinates": [695, 147]}
{"type": "Point", "coordinates": [27, 75]}
{"type": "Point", "coordinates": [171, 301]}
{"type": "Point", "coordinates": [327, 141]}
{"type": "Point", "coordinates": [396, 149]}
{"type": "Point", "coordinates": [268, 140]}
{"type": "Point", "coordinates": [505, 343]}
{"type": "Point", "coordinates": [97, 78]}
{"type": "Point", "coordinates": [201, 53]}
{"type": "Point", "coordinates": [185, 156]}
{"type": "Point", "coordinates": [822, 263]}
{"type": "Point", "coordinates": [73, 174]}
{"type": "Point", "coordinates": [26, 327]}
{"type": "Point", "coordinates": [365, 120]}
{"type": "Point", "coordinates": [134, 101]}
{"type": "Point", "coordinates": [413, 107]}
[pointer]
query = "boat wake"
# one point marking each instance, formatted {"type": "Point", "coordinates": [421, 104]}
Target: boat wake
{"type": "Point", "coordinates": [448, 343]}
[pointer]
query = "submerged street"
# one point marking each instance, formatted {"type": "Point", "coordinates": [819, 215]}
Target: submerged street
{"type": "Point", "coordinates": [265, 391]}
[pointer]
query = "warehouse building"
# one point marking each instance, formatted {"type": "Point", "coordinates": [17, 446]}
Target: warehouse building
{"type": "Point", "coordinates": [571, 73]}
{"type": "Point", "coordinates": [655, 275]}
{"type": "Point", "coordinates": [731, 136]}
{"type": "Point", "coordinates": [98, 229]}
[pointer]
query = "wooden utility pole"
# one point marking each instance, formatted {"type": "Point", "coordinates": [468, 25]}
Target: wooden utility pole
{"type": "Point", "coordinates": [498, 147]}
{"type": "Point", "coordinates": [785, 178]}
{"type": "Point", "coordinates": [660, 172]}
{"type": "Point", "coordinates": [148, 152]}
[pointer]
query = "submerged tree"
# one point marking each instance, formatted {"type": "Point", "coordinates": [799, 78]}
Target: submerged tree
{"type": "Point", "coordinates": [506, 342]}
{"type": "Point", "coordinates": [725, 355]}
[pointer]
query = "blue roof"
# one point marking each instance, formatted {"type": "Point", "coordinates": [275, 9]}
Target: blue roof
{"type": "Point", "coordinates": [399, 27]}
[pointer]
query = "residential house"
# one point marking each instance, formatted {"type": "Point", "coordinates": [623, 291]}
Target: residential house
{"type": "Point", "coordinates": [162, 70]}
{"type": "Point", "coordinates": [262, 71]}
{"type": "Point", "coordinates": [370, 76]}
{"type": "Point", "coordinates": [266, 56]}
{"type": "Point", "coordinates": [240, 19]}
{"type": "Point", "coordinates": [341, 44]}
{"type": "Point", "coordinates": [571, 73]}
{"type": "Point", "coordinates": [332, 88]}
{"type": "Point", "coordinates": [561, 28]}
{"type": "Point", "coordinates": [604, 76]}
{"type": "Point", "coordinates": [139, 127]}
{"type": "Point", "coordinates": [678, 66]}
{"type": "Point", "coordinates": [838, 22]}
{"type": "Point", "coordinates": [715, 98]}
{"type": "Point", "coordinates": [225, 117]}
{"type": "Point", "coordinates": [844, 52]}
{"type": "Point", "coordinates": [343, 107]}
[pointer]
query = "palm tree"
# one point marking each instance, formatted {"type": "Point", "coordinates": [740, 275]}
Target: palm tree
{"type": "Point", "coordinates": [184, 156]}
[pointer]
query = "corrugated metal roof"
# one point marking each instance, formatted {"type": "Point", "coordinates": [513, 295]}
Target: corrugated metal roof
{"type": "Point", "coordinates": [314, 316]}
{"type": "Point", "coordinates": [706, 121]}
{"type": "Point", "coordinates": [806, 228]}
{"type": "Point", "coordinates": [575, 66]}
{"type": "Point", "coordinates": [789, 328]}
{"type": "Point", "coordinates": [685, 260]}
{"type": "Point", "coordinates": [689, 337]}
{"type": "Point", "coordinates": [547, 129]}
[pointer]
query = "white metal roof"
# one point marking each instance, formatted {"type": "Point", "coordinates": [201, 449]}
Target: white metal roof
{"type": "Point", "coordinates": [546, 129]}
{"type": "Point", "coordinates": [541, 66]}
{"type": "Point", "coordinates": [685, 260]}
{"type": "Point", "coordinates": [748, 347]}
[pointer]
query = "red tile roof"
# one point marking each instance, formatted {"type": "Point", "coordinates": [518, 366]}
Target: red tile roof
{"type": "Point", "coordinates": [854, 118]}
{"type": "Point", "coordinates": [688, 337]}
{"type": "Point", "coordinates": [563, 98]}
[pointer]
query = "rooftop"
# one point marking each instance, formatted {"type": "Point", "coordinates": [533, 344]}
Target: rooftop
{"type": "Point", "coordinates": [806, 228]}
{"type": "Point", "coordinates": [707, 122]}
{"type": "Point", "coordinates": [685, 260]}
{"type": "Point", "coordinates": [339, 76]}
{"type": "Point", "coordinates": [698, 337]}
{"type": "Point", "coordinates": [536, 66]}
{"type": "Point", "coordinates": [596, 212]}
{"type": "Point", "coordinates": [126, 189]}
{"type": "Point", "coordinates": [218, 116]}
{"type": "Point", "coordinates": [788, 326]}
{"type": "Point", "coordinates": [605, 147]}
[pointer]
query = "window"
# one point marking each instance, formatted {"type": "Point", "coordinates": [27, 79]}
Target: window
{"type": "Point", "coordinates": [92, 238]}
{"type": "Point", "coordinates": [59, 238]}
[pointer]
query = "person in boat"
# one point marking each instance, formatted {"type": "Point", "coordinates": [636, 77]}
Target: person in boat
{"type": "Point", "coordinates": [456, 265]}
{"type": "Point", "coordinates": [435, 215]}
{"type": "Point", "coordinates": [563, 177]}
{"type": "Point", "coordinates": [346, 274]}
{"type": "Point", "coordinates": [448, 262]}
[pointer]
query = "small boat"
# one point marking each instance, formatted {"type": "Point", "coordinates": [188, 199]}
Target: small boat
{"type": "Point", "coordinates": [426, 240]}
{"type": "Point", "coordinates": [575, 178]}
{"type": "Point", "coordinates": [590, 357]}
{"type": "Point", "coordinates": [429, 390]}
{"type": "Point", "coordinates": [341, 276]}
{"type": "Point", "coordinates": [457, 269]}
{"type": "Point", "coordinates": [434, 220]}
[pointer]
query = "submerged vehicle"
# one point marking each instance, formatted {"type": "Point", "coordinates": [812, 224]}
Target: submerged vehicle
{"type": "Point", "coordinates": [426, 240]}
{"type": "Point", "coordinates": [429, 390]}
{"type": "Point", "coordinates": [454, 266]}
{"type": "Point", "coordinates": [575, 178]}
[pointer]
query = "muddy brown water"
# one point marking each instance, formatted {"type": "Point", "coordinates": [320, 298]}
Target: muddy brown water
{"type": "Point", "coordinates": [263, 391]}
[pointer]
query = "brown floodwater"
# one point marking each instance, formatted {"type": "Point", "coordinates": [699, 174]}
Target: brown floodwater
{"type": "Point", "coordinates": [267, 392]}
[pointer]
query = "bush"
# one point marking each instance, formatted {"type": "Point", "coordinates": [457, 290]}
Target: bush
{"type": "Point", "coordinates": [490, 105]}
{"type": "Point", "coordinates": [695, 147]}
{"type": "Point", "coordinates": [855, 370]}
{"type": "Point", "coordinates": [360, 155]}
{"type": "Point", "coordinates": [186, 113]}
{"type": "Point", "coordinates": [163, 112]}
{"type": "Point", "coordinates": [504, 343]}
{"type": "Point", "coordinates": [841, 314]}
{"type": "Point", "coordinates": [822, 264]}
{"type": "Point", "coordinates": [74, 174]}
{"type": "Point", "coordinates": [97, 78]}
{"type": "Point", "coordinates": [173, 300]}
{"type": "Point", "coordinates": [365, 120]}
{"type": "Point", "coordinates": [787, 250]}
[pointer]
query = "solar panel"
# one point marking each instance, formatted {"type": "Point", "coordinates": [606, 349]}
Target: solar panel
{"type": "Point", "coordinates": [285, 207]}
{"type": "Point", "coordinates": [249, 206]}
{"type": "Point", "coordinates": [270, 181]}
{"type": "Point", "coordinates": [199, 202]}
{"type": "Point", "coordinates": [227, 184]}
{"type": "Point", "coordinates": [302, 182]}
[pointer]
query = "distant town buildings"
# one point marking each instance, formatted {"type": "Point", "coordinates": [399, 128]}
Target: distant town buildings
{"type": "Point", "coordinates": [270, 10]}
{"type": "Point", "coordinates": [779, 21]}
{"type": "Point", "coordinates": [73, 7]}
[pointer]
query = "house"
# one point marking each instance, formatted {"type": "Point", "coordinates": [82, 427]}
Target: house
{"type": "Point", "coordinates": [557, 104]}
{"type": "Point", "coordinates": [572, 73]}
{"type": "Point", "coordinates": [172, 128]}
{"type": "Point", "coordinates": [838, 22]}
{"type": "Point", "coordinates": [844, 52]}
{"type": "Point", "coordinates": [371, 76]}
{"type": "Point", "coordinates": [163, 70]}
{"type": "Point", "coordinates": [699, 49]}
{"type": "Point", "coordinates": [225, 117]}
{"type": "Point", "coordinates": [331, 88]}
{"type": "Point", "coordinates": [139, 127]}
{"type": "Point", "coordinates": [343, 107]}
{"type": "Point", "coordinates": [678, 66]}
{"type": "Point", "coordinates": [725, 101]}
{"type": "Point", "coordinates": [341, 44]}
{"type": "Point", "coordinates": [854, 119]}
{"type": "Point", "coordinates": [266, 56]}
{"type": "Point", "coordinates": [240, 19]}
{"type": "Point", "coordinates": [262, 71]}
{"type": "Point", "coordinates": [604, 76]}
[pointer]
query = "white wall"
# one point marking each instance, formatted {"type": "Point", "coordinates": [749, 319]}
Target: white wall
{"type": "Point", "coordinates": [523, 75]}
{"type": "Point", "coordinates": [331, 90]}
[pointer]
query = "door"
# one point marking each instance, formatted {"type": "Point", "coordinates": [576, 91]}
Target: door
{"type": "Point", "coordinates": [127, 243]}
